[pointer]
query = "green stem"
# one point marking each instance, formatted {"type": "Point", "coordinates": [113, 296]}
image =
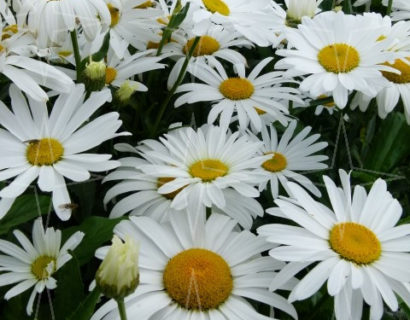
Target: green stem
{"type": "Point", "coordinates": [389, 7]}
{"type": "Point", "coordinates": [176, 84]}
{"type": "Point", "coordinates": [347, 7]}
{"type": "Point", "coordinates": [121, 309]}
{"type": "Point", "coordinates": [77, 56]}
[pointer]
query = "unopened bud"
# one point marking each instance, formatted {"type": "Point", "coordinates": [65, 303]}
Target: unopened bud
{"type": "Point", "coordinates": [125, 91]}
{"type": "Point", "coordinates": [94, 75]}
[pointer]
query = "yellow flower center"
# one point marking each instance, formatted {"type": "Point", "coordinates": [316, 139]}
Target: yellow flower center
{"type": "Point", "coordinates": [44, 152]}
{"type": "Point", "coordinates": [339, 58]}
{"type": "Point", "coordinates": [206, 46]}
{"type": "Point", "coordinates": [41, 269]}
{"type": "Point", "coordinates": [110, 75]}
{"type": "Point", "coordinates": [329, 104]}
{"type": "Point", "coordinates": [115, 14]}
{"type": "Point", "coordinates": [208, 169]}
{"type": "Point", "coordinates": [277, 163]}
{"type": "Point", "coordinates": [236, 88]}
{"type": "Point", "coordinates": [198, 279]}
{"type": "Point", "coordinates": [217, 6]}
{"type": "Point", "coordinates": [403, 67]}
{"type": "Point", "coordinates": [163, 180]}
{"type": "Point", "coordinates": [355, 242]}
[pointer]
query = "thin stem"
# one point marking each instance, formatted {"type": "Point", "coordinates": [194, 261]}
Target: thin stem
{"type": "Point", "coordinates": [348, 9]}
{"type": "Point", "coordinates": [77, 56]}
{"type": "Point", "coordinates": [121, 309]}
{"type": "Point", "coordinates": [389, 7]}
{"type": "Point", "coordinates": [176, 84]}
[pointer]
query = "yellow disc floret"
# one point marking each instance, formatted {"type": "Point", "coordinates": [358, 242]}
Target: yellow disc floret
{"type": "Point", "coordinates": [355, 242]}
{"type": "Point", "coordinates": [43, 267]}
{"type": "Point", "coordinates": [217, 6]}
{"type": "Point", "coordinates": [236, 88]}
{"type": "Point", "coordinates": [115, 14]}
{"type": "Point", "coordinates": [206, 46]}
{"type": "Point", "coordinates": [403, 67]}
{"type": "Point", "coordinates": [277, 163]}
{"type": "Point", "coordinates": [163, 180]}
{"type": "Point", "coordinates": [339, 58]}
{"type": "Point", "coordinates": [198, 279]}
{"type": "Point", "coordinates": [208, 169]}
{"type": "Point", "coordinates": [110, 75]}
{"type": "Point", "coordinates": [145, 5]}
{"type": "Point", "coordinates": [44, 152]}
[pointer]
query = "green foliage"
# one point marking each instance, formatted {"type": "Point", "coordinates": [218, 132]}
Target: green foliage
{"type": "Point", "coordinates": [86, 309]}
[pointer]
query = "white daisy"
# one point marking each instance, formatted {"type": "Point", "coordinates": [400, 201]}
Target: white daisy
{"type": "Point", "coordinates": [289, 155]}
{"type": "Point", "coordinates": [211, 166]}
{"type": "Point", "coordinates": [254, 20]}
{"type": "Point", "coordinates": [201, 273]}
{"type": "Point", "coordinates": [245, 95]}
{"type": "Point", "coordinates": [214, 43]}
{"type": "Point", "coordinates": [16, 49]}
{"type": "Point", "coordinates": [132, 23]}
{"type": "Point", "coordinates": [33, 265]}
{"type": "Point", "coordinates": [143, 196]}
{"type": "Point", "coordinates": [361, 253]}
{"type": "Point", "coordinates": [51, 20]}
{"type": "Point", "coordinates": [51, 147]}
{"type": "Point", "coordinates": [339, 52]}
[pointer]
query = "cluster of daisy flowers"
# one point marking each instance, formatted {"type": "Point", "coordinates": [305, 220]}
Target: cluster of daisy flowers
{"type": "Point", "coordinates": [76, 78]}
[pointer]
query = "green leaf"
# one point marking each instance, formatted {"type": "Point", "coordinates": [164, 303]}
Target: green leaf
{"type": "Point", "coordinates": [390, 144]}
{"type": "Point", "coordinates": [70, 290]}
{"type": "Point", "coordinates": [86, 309]}
{"type": "Point", "coordinates": [24, 209]}
{"type": "Point", "coordinates": [98, 230]}
{"type": "Point", "coordinates": [178, 17]}
{"type": "Point", "coordinates": [98, 56]}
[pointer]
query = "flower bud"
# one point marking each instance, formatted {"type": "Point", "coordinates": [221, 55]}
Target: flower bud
{"type": "Point", "coordinates": [118, 274]}
{"type": "Point", "coordinates": [125, 91]}
{"type": "Point", "coordinates": [94, 75]}
{"type": "Point", "coordinates": [298, 9]}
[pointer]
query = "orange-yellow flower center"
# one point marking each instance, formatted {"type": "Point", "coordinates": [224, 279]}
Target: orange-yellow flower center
{"type": "Point", "coordinates": [339, 58]}
{"type": "Point", "coordinates": [115, 14]}
{"type": "Point", "coordinates": [43, 267]}
{"type": "Point", "coordinates": [236, 88]}
{"type": "Point", "coordinates": [206, 46]}
{"type": "Point", "coordinates": [403, 67]}
{"type": "Point", "coordinates": [110, 75]}
{"type": "Point", "coordinates": [44, 152]}
{"type": "Point", "coordinates": [163, 180]}
{"type": "Point", "coordinates": [355, 242]}
{"type": "Point", "coordinates": [198, 279]}
{"type": "Point", "coordinates": [217, 6]}
{"type": "Point", "coordinates": [145, 5]}
{"type": "Point", "coordinates": [208, 169]}
{"type": "Point", "coordinates": [277, 163]}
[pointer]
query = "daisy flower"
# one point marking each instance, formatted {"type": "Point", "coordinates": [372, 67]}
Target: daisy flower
{"type": "Point", "coordinates": [360, 251]}
{"type": "Point", "coordinates": [16, 49]}
{"type": "Point", "coordinates": [52, 147]}
{"type": "Point", "coordinates": [34, 264]}
{"type": "Point", "coordinates": [201, 273]}
{"type": "Point", "coordinates": [245, 95]}
{"type": "Point", "coordinates": [254, 20]}
{"type": "Point", "coordinates": [142, 190]}
{"type": "Point", "coordinates": [132, 23]}
{"type": "Point", "coordinates": [214, 44]}
{"type": "Point", "coordinates": [339, 53]}
{"type": "Point", "coordinates": [202, 166]}
{"type": "Point", "coordinates": [290, 155]}
{"type": "Point", "coordinates": [51, 20]}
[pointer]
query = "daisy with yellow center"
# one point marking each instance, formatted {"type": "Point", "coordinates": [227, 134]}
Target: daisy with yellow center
{"type": "Point", "coordinates": [52, 147]}
{"type": "Point", "coordinates": [245, 96]}
{"type": "Point", "coordinates": [34, 265]}
{"type": "Point", "coordinates": [214, 44]}
{"type": "Point", "coordinates": [205, 271]}
{"type": "Point", "coordinates": [209, 167]}
{"type": "Point", "coordinates": [290, 154]}
{"type": "Point", "coordinates": [360, 251]}
{"type": "Point", "coordinates": [337, 62]}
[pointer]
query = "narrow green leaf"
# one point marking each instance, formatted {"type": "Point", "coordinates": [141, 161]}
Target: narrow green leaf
{"type": "Point", "coordinates": [86, 309]}
{"type": "Point", "coordinates": [98, 230]}
{"type": "Point", "coordinates": [24, 209]}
